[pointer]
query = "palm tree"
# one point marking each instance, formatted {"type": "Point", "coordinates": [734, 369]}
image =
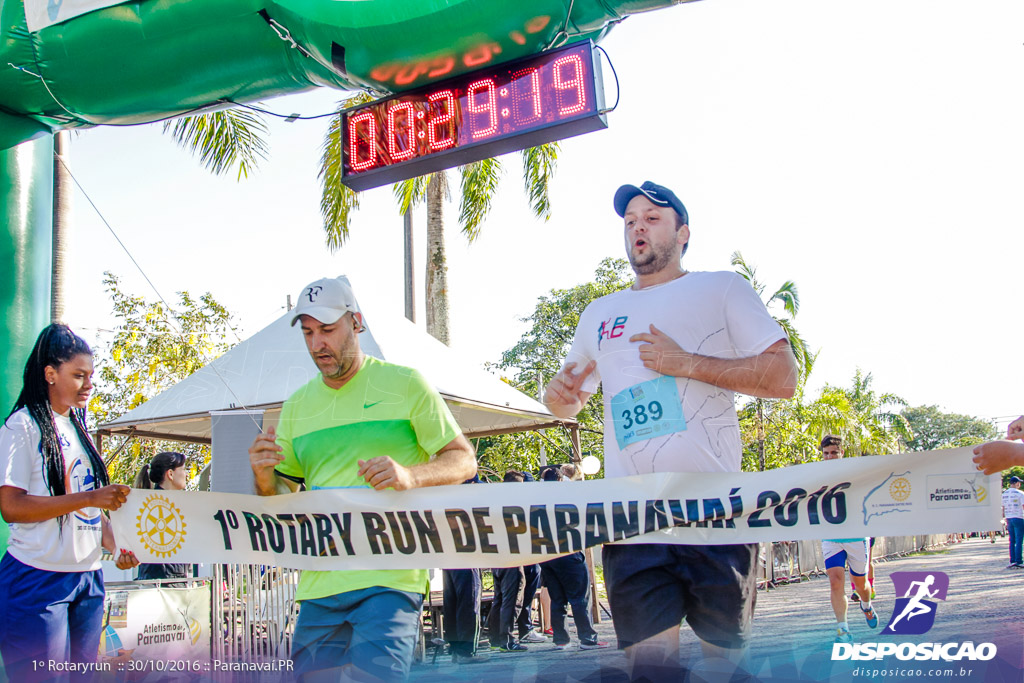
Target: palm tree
{"type": "Point", "coordinates": [867, 421]}
{"type": "Point", "coordinates": [223, 139]}
{"type": "Point", "coordinates": [789, 298]}
{"type": "Point", "coordinates": [478, 184]}
{"type": "Point", "coordinates": [236, 136]}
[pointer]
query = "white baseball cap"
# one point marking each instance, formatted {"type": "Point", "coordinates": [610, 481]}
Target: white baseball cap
{"type": "Point", "coordinates": [327, 300]}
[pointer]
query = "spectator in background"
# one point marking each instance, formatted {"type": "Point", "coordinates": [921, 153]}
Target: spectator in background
{"type": "Point", "coordinates": [509, 586]}
{"type": "Point", "coordinates": [462, 610]}
{"type": "Point", "coordinates": [568, 583]}
{"type": "Point", "coordinates": [531, 584]}
{"type": "Point", "coordinates": [1013, 511]}
{"type": "Point", "coordinates": [165, 472]}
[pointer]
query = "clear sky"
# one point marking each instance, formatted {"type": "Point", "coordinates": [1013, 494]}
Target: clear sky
{"type": "Point", "coordinates": [870, 151]}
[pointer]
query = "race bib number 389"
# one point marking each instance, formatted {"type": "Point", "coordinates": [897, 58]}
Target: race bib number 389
{"type": "Point", "coordinates": [646, 410]}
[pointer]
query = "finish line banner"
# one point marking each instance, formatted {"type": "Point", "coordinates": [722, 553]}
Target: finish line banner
{"type": "Point", "coordinates": [495, 525]}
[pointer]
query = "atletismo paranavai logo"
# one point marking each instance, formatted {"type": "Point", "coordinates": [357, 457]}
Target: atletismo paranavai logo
{"type": "Point", "coordinates": [914, 614]}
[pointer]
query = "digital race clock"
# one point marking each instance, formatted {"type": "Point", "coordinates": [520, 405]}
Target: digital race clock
{"type": "Point", "coordinates": [499, 109]}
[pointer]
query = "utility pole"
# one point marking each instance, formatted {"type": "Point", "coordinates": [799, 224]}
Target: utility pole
{"type": "Point", "coordinates": [410, 289]}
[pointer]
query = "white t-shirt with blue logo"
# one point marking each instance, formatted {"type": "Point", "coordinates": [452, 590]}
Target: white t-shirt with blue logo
{"type": "Point", "coordinates": [656, 423]}
{"type": "Point", "coordinates": [1013, 503]}
{"type": "Point", "coordinates": [44, 545]}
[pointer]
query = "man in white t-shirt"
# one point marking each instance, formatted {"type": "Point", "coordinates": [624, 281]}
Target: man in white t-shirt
{"type": "Point", "coordinates": [1013, 511]}
{"type": "Point", "coordinates": [669, 352]}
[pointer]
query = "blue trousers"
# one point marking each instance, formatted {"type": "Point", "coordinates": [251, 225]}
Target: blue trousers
{"type": "Point", "coordinates": [506, 606]}
{"type": "Point", "coordinates": [48, 617]}
{"type": "Point", "coordinates": [372, 630]}
{"type": "Point", "coordinates": [531, 584]}
{"type": "Point", "coordinates": [1015, 525]}
{"type": "Point", "coordinates": [568, 583]}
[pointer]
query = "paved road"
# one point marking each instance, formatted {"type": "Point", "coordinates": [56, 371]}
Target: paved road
{"type": "Point", "coordinates": [794, 628]}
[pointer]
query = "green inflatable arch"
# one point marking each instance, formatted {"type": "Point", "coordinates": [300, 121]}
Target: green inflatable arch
{"type": "Point", "coordinates": [79, 63]}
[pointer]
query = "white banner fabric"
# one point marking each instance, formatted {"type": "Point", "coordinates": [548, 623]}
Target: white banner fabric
{"type": "Point", "coordinates": [42, 13]}
{"type": "Point", "coordinates": [496, 525]}
{"type": "Point", "coordinates": [168, 625]}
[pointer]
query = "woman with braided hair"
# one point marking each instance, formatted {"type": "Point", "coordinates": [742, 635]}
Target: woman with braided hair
{"type": "Point", "coordinates": [166, 471]}
{"type": "Point", "coordinates": [53, 491]}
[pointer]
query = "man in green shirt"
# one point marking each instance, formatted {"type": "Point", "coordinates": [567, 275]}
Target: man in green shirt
{"type": "Point", "coordinates": [362, 423]}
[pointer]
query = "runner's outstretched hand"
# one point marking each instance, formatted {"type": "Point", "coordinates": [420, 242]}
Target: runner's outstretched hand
{"type": "Point", "coordinates": [564, 395]}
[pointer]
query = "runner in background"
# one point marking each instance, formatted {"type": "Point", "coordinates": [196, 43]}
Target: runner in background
{"type": "Point", "coordinates": [54, 491]}
{"type": "Point", "coordinates": [854, 596]}
{"type": "Point", "coordinates": [839, 553]}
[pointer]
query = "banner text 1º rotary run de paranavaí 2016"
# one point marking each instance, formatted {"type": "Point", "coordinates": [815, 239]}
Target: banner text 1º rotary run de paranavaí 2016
{"type": "Point", "coordinates": [495, 525]}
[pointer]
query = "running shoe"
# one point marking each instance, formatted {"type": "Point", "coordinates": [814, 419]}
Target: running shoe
{"type": "Point", "coordinates": [514, 647]}
{"type": "Point", "coordinates": [593, 645]}
{"type": "Point", "coordinates": [561, 646]}
{"type": "Point", "coordinates": [533, 637]}
{"type": "Point", "coordinates": [854, 597]}
{"type": "Point", "coordinates": [549, 631]}
{"type": "Point", "coordinates": [843, 635]}
{"type": "Point", "coordinates": [869, 614]}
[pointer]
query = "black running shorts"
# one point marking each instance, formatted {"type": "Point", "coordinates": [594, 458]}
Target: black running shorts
{"type": "Point", "coordinates": [653, 587]}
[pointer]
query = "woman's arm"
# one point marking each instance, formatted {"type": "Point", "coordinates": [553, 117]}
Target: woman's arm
{"type": "Point", "coordinates": [18, 507]}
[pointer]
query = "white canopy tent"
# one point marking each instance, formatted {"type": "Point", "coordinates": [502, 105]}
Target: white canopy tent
{"type": "Point", "coordinates": [263, 371]}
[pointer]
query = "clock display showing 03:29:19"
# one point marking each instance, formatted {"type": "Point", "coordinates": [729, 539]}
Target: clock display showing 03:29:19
{"type": "Point", "coordinates": [491, 104]}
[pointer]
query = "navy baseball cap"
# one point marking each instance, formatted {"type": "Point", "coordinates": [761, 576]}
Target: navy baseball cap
{"type": "Point", "coordinates": [1015, 480]}
{"type": "Point", "coordinates": [658, 194]}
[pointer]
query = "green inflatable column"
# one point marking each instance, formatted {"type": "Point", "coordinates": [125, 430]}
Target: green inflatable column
{"type": "Point", "coordinates": [26, 188]}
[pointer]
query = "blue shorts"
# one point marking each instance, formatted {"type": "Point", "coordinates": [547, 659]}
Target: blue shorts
{"type": "Point", "coordinates": [48, 617]}
{"type": "Point", "coordinates": [374, 630]}
{"type": "Point", "coordinates": [843, 553]}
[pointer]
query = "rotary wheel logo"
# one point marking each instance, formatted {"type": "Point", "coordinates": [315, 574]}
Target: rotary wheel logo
{"type": "Point", "coordinates": [160, 526]}
{"type": "Point", "coordinates": [899, 489]}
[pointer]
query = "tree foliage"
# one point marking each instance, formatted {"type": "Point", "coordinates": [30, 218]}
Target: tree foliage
{"type": "Point", "coordinates": [933, 429]}
{"type": "Point", "coordinates": [222, 139]}
{"type": "Point", "coordinates": [541, 351]}
{"type": "Point", "coordinates": [153, 348]}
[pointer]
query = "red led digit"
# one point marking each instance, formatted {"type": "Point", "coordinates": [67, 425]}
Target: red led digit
{"type": "Point", "coordinates": [438, 119]}
{"type": "Point", "coordinates": [490, 108]}
{"type": "Point", "coordinates": [569, 105]}
{"type": "Point", "coordinates": [367, 141]}
{"type": "Point", "coordinates": [395, 129]}
{"type": "Point", "coordinates": [526, 91]}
